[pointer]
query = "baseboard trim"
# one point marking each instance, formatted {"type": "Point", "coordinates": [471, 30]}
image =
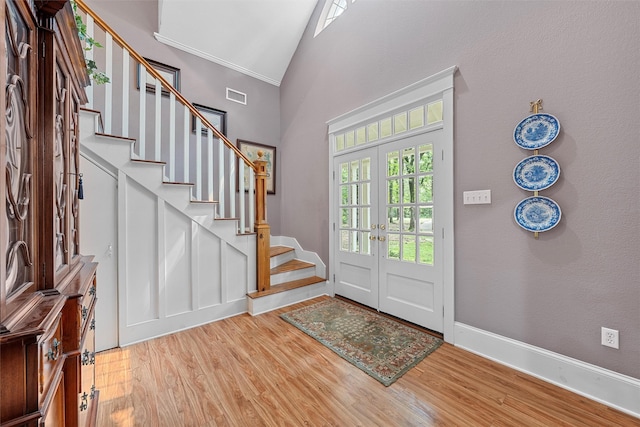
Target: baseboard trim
{"type": "Point", "coordinates": [618, 391]}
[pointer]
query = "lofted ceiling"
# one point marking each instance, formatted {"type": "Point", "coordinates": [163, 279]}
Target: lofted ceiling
{"type": "Point", "coordinates": [254, 37]}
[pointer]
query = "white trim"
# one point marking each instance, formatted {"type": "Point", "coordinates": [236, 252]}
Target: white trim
{"type": "Point", "coordinates": [619, 391]}
{"type": "Point", "coordinates": [413, 93]}
{"type": "Point", "coordinates": [220, 61]}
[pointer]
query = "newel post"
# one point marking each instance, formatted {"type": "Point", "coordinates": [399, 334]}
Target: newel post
{"type": "Point", "coordinates": [263, 231]}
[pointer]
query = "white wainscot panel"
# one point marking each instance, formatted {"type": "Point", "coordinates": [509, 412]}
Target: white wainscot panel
{"type": "Point", "coordinates": [142, 255]}
{"type": "Point", "coordinates": [177, 262]}
{"type": "Point", "coordinates": [236, 274]}
{"type": "Point", "coordinates": [207, 267]}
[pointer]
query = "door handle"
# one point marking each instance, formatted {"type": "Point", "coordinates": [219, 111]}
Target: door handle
{"type": "Point", "coordinates": [372, 237]}
{"type": "Point", "coordinates": [382, 227]}
{"type": "Point", "coordinates": [381, 238]}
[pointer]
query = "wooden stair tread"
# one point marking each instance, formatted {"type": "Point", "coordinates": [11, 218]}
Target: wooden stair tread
{"type": "Point", "coordinates": [279, 250]}
{"type": "Point", "coordinates": [177, 183]}
{"type": "Point", "coordinates": [287, 286]}
{"type": "Point", "coordinates": [293, 265]}
{"type": "Point", "coordinates": [123, 138]}
{"type": "Point", "coordinates": [149, 162]}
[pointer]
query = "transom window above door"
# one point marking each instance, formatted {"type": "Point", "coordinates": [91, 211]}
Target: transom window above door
{"type": "Point", "coordinates": [392, 125]}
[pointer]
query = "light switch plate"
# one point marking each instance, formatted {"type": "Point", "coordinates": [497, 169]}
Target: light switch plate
{"type": "Point", "coordinates": [479, 197]}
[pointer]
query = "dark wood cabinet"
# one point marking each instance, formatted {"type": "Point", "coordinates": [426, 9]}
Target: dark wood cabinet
{"type": "Point", "coordinates": [47, 287]}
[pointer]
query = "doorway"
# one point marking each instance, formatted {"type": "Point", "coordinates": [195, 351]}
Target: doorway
{"type": "Point", "coordinates": [387, 252]}
{"type": "Point", "coordinates": [391, 203]}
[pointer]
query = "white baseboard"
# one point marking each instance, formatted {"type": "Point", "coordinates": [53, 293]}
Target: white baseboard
{"type": "Point", "coordinates": [618, 391]}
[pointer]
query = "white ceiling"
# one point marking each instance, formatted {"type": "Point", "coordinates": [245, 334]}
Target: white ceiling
{"type": "Point", "coordinates": [255, 37]}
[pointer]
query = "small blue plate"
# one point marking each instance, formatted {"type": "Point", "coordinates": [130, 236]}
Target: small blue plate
{"type": "Point", "coordinates": [536, 173]}
{"type": "Point", "coordinates": [537, 213]}
{"type": "Point", "coordinates": [536, 131]}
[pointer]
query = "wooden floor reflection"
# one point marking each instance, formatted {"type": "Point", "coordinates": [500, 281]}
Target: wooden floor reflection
{"type": "Point", "coordinates": [261, 371]}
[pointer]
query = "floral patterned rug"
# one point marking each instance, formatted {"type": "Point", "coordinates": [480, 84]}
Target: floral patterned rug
{"type": "Point", "coordinates": [381, 347]}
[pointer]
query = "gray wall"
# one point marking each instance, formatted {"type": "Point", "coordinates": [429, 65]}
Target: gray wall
{"type": "Point", "coordinates": [583, 60]}
{"type": "Point", "coordinates": [202, 82]}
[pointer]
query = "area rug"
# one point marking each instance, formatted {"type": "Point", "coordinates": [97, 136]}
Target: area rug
{"type": "Point", "coordinates": [382, 347]}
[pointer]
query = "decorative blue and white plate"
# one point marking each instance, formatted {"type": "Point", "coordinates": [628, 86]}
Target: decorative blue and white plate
{"type": "Point", "coordinates": [536, 173]}
{"type": "Point", "coordinates": [537, 213]}
{"type": "Point", "coordinates": [536, 131]}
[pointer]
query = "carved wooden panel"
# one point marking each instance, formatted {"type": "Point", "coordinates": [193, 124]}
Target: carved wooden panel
{"type": "Point", "coordinates": [19, 156]}
{"type": "Point", "coordinates": [60, 172]}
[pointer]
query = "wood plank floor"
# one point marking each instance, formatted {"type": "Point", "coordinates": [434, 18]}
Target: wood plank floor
{"type": "Point", "coordinates": [261, 371]}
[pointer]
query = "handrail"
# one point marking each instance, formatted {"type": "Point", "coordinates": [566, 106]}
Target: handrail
{"type": "Point", "coordinates": [81, 4]}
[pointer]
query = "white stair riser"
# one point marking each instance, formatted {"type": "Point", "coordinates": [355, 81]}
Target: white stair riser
{"type": "Point", "coordinates": [282, 258]}
{"type": "Point", "coordinates": [289, 276]}
{"type": "Point", "coordinates": [260, 305]}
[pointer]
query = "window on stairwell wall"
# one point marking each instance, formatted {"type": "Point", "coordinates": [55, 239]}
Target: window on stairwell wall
{"type": "Point", "coordinates": [331, 11]}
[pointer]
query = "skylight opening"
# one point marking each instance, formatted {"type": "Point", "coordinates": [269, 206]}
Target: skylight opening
{"type": "Point", "coordinates": [331, 11]}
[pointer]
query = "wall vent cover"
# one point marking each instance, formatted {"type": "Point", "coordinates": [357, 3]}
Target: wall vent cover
{"type": "Point", "coordinates": [236, 96]}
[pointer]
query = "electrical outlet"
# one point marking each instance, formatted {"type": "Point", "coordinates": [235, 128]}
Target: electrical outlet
{"type": "Point", "coordinates": [610, 338]}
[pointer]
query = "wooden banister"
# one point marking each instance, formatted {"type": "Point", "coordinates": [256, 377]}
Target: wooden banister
{"type": "Point", "coordinates": [165, 84]}
{"type": "Point", "coordinates": [263, 230]}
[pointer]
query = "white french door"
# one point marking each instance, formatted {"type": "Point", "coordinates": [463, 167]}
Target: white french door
{"type": "Point", "coordinates": [387, 254]}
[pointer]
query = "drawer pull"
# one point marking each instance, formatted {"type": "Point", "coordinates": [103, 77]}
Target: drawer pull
{"type": "Point", "coordinates": [85, 357]}
{"type": "Point", "coordinates": [54, 350]}
{"type": "Point", "coordinates": [93, 392]}
{"type": "Point", "coordinates": [92, 326]}
{"type": "Point", "coordinates": [83, 404]}
{"type": "Point", "coordinates": [92, 290]}
{"type": "Point", "coordinates": [85, 312]}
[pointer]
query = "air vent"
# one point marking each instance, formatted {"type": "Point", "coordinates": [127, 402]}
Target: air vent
{"type": "Point", "coordinates": [236, 96]}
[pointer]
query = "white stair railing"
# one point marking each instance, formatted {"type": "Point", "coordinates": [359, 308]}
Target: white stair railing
{"type": "Point", "coordinates": [163, 128]}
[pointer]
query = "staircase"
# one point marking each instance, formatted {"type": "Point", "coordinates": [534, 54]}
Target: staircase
{"type": "Point", "coordinates": [293, 279]}
{"type": "Point", "coordinates": [186, 243]}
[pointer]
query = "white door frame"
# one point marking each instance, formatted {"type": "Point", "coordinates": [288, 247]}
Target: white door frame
{"type": "Point", "coordinates": [437, 86]}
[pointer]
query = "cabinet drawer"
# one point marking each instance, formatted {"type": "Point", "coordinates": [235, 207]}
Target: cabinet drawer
{"type": "Point", "coordinates": [51, 357]}
{"type": "Point", "coordinates": [87, 396]}
{"type": "Point", "coordinates": [86, 303]}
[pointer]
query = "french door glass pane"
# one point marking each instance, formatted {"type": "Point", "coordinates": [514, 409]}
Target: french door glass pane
{"type": "Point", "coordinates": [393, 246]}
{"type": "Point", "coordinates": [426, 158]}
{"type": "Point", "coordinates": [426, 189]}
{"type": "Point", "coordinates": [408, 190]}
{"type": "Point", "coordinates": [392, 164]}
{"type": "Point", "coordinates": [393, 219]}
{"type": "Point", "coordinates": [344, 218]}
{"type": "Point", "coordinates": [426, 249]}
{"type": "Point", "coordinates": [355, 242]}
{"type": "Point", "coordinates": [355, 199]}
{"type": "Point", "coordinates": [344, 195]}
{"type": "Point", "coordinates": [366, 218]}
{"type": "Point", "coordinates": [344, 173]}
{"type": "Point", "coordinates": [366, 169]}
{"type": "Point", "coordinates": [366, 243]}
{"type": "Point", "coordinates": [355, 170]}
{"type": "Point", "coordinates": [409, 220]}
{"type": "Point", "coordinates": [344, 240]}
{"type": "Point", "coordinates": [426, 219]}
{"type": "Point", "coordinates": [408, 161]}
{"type": "Point", "coordinates": [409, 248]}
{"type": "Point", "coordinates": [393, 191]}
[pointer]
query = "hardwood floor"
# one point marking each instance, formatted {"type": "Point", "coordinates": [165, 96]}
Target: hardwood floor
{"type": "Point", "coordinates": [261, 371]}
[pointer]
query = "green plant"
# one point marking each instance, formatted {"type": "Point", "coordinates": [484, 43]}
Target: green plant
{"type": "Point", "coordinates": [92, 69]}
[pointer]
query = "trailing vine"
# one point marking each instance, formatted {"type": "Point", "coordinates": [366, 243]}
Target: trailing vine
{"type": "Point", "coordinates": [92, 69]}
